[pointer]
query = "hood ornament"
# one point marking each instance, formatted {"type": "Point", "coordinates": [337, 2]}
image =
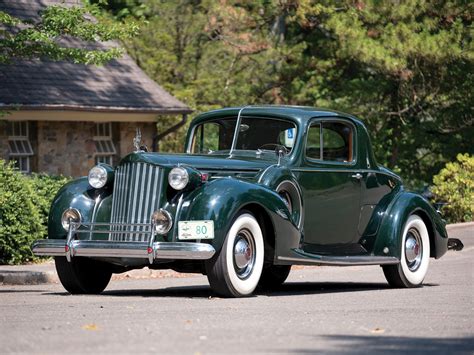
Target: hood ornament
{"type": "Point", "coordinates": [137, 142]}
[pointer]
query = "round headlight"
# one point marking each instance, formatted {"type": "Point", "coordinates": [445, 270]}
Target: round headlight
{"type": "Point", "coordinates": [71, 214]}
{"type": "Point", "coordinates": [178, 178]}
{"type": "Point", "coordinates": [97, 177]}
{"type": "Point", "coordinates": [162, 221]}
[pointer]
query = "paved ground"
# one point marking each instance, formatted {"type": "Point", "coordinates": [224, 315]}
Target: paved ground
{"type": "Point", "coordinates": [335, 310]}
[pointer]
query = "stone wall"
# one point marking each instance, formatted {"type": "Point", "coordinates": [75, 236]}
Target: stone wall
{"type": "Point", "coordinates": [65, 148]}
{"type": "Point", "coordinates": [68, 148]}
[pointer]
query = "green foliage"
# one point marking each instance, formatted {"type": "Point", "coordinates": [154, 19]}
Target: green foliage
{"type": "Point", "coordinates": [402, 68]}
{"type": "Point", "coordinates": [20, 221]}
{"type": "Point", "coordinates": [45, 188]}
{"type": "Point", "coordinates": [27, 40]}
{"type": "Point", "coordinates": [406, 68]}
{"type": "Point", "coordinates": [455, 185]}
{"type": "Point", "coordinates": [24, 207]}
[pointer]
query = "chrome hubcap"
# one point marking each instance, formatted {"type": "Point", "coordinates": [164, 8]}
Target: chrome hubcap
{"type": "Point", "coordinates": [244, 254]}
{"type": "Point", "coordinates": [413, 249]}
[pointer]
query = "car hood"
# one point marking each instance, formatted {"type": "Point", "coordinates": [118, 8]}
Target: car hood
{"type": "Point", "coordinates": [241, 162]}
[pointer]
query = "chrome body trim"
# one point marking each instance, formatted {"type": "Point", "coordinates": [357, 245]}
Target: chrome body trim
{"type": "Point", "coordinates": [302, 257]}
{"type": "Point", "coordinates": [345, 170]}
{"type": "Point", "coordinates": [114, 249]}
{"type": "Point", "coordinates": [236, 131]}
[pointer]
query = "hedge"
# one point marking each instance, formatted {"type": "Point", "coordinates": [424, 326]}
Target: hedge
{"type": "Point", "coordinates": [24, 206]}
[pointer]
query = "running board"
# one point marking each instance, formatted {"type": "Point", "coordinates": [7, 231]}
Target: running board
{"type": "Point", "coordinates": [302, 257]}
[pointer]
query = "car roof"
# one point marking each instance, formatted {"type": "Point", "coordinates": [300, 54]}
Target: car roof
{"type": "Point", "coordinates": [298, 113]}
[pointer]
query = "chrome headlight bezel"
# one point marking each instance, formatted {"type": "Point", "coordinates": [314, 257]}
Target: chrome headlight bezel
{"type": "Point", "coordinates": [178, 178]}
{"type": "Point", "coordinates": [162, 221]}
{"type": "Point", "coordinates": [97, 176]}
{"type": "Point", "coordinates": [70, 214]}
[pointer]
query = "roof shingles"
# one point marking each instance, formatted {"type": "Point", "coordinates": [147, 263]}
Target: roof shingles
{"type": "Point", "coordinates": [43, 84]}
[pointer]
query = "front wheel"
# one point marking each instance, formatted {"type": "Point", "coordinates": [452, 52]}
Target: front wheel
{"type": "Point", "coordinates": [415, 256]}
{"type": "Point", "coordinates": [236, 270]}
{"type": "Point", "coordinates": [82, 275]}
{"type": "Point", "coordinates": [273, 276]}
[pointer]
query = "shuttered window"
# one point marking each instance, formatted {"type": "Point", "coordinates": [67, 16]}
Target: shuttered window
{"type": "Point", "coordinates": [19, 146]}
{"type": "Point", "coordinates": [104, 145]}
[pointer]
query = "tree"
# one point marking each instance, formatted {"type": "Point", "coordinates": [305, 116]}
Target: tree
{"type": "Point", "coordinates": [208, 54]}
{"type": "Point", "coordinates": [42, 39]}
{"type": "Point", "coordinates": [405, 68]}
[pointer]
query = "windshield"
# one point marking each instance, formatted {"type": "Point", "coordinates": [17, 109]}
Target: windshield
{"type": "Point", "coordinates": [254, 134]}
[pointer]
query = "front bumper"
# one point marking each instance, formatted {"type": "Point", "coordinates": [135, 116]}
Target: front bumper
{"type": "Point", "coordinates": [113, 249]}
{"type": "Point", "coordinates": [147, 249]}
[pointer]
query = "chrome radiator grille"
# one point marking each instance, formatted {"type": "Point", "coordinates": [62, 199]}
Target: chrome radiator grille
{"type": "Point", "coordinates": [137, 191]}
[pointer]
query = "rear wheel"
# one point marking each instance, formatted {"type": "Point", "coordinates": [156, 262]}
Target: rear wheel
{"type": "Point", "coordinates": [82, 275]}
{"type": "Point", "coordinates": [415, 256]}
{"type": "Point", "coordinates": [236, 270]}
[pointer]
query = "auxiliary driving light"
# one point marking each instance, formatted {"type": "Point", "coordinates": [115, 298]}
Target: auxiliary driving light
{"type": "Point", "coordinates": [71, 214]}
{"type": "Point", "coordinates": [162, 221]}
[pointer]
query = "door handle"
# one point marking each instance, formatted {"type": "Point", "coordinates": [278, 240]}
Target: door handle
{"type": "Point", "coordinates": [357, 176]}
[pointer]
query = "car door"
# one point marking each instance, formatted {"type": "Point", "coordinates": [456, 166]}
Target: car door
{"type": "Point", "coordinates": [331, 188]}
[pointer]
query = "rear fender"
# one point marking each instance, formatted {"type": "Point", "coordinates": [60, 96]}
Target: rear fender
{"type": "Point", "coordinates": [391, 229]}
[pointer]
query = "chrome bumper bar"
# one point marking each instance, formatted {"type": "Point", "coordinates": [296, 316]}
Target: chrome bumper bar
{"type": "Point", "coordinates": [151, 250]}
{"type": "Point", "coordinates": [113, 249]}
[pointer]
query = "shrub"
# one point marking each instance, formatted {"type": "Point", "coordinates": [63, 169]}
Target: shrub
{"type": "Point", "coordinates": [20, 220]}
{"type": "Point", "coordinates": [45, 188]}
{"type": "Point", "coordinates": [24, 208]}
{"type": "Point", "coordinates": [455, 185]}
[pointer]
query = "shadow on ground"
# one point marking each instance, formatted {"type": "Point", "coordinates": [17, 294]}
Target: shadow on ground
{"type": "Point", "coordinates": [342, 344]}
{"type": "Point", "coordinates": [287, 289]}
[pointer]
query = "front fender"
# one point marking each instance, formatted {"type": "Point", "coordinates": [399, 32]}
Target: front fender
{"type": "Point", "coordinates": [391, 229]}
{"type": "Point", "coordinates": [76, 194]}
{"type": "Point", "coordinates": [220, 200]}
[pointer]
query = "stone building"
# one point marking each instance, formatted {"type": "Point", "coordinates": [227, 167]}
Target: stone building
{"type": "Point", "coordinates": [62, 118]}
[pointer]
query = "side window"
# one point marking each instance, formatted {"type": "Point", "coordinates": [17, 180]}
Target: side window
{"type": "Point", "coordinates": [336, 139]}
{"type": "Point", "coordinates": [337, 142]}
{"type": "Point", "coordinates": [206, 139]}
{"type": "Point", "coordinates": [313, 142]}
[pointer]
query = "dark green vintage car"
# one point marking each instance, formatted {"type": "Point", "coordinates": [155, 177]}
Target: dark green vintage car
{"type": "Point", "coordinates": [258, 190]}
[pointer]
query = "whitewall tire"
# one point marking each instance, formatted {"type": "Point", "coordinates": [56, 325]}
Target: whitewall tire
{"type": "Point", "coordinates": [415, 256]}
{"type": "Point", "coordinates": [236, 270]}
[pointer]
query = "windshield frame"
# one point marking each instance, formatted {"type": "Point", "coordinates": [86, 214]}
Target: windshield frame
{"type": "Point", "coordinates": [240, 117]}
